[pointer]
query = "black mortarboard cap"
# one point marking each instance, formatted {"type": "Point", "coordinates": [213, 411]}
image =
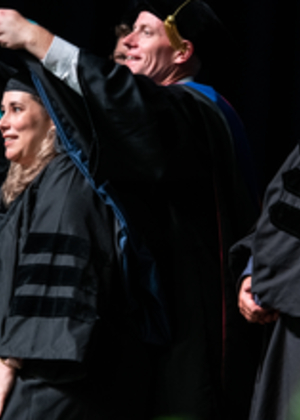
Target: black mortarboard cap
{"type": "Point", "coordinates": [21, 81]}
{"type": "Point", "coordinates": [6, 72]}
{"type": "Point", "coordinates": [14, 76]}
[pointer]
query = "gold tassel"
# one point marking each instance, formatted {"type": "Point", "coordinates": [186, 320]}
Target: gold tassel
{"type": "Point", "coordinates": [172, 31]}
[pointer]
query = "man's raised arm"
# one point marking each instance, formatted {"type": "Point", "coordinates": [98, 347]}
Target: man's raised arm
{"type": "Point", "coordinates": [17, 32]}
{"type": "Point", "coordinates": [57, 55]}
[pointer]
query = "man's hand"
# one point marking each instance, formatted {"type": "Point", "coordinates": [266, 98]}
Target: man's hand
{"type": "Point", "coordinates": [16, 32]}
{"type": "Point", "coordinates": [250, 310]}
{"type": "Point", "coordinates": [7, 380]}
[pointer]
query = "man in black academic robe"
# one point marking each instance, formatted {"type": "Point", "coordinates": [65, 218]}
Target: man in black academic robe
{"type": "Point", "coordinates": [167, 152]}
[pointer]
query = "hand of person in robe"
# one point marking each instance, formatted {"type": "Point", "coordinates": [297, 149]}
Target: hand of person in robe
{"type": "Point", "coordinates": [17, 32]}
{"type": "Point", "coordinates": [7, 380]}
{"type": "Point", "coordinates": [249, 308]}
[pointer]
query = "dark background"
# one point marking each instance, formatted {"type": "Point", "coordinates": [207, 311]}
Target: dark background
{"type": "Point", "coordinates": [259, 73]}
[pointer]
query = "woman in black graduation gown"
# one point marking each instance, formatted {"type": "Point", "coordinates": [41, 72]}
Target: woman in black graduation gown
{"type": "Point", "coordinates": [57, 269]}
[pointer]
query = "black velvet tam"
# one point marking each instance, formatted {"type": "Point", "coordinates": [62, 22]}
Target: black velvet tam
{"type": "Point", "coordinates": [196, 21]}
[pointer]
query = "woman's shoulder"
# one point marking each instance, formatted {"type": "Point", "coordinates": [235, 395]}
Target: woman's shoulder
{"type": "Point", "coordinates": [63, 190]}
{"type": "Point", "coordinates": [61, 174]}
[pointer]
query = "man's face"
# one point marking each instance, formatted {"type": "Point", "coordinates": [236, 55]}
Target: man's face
{"type": "Point", "coordinates": [149, 49]}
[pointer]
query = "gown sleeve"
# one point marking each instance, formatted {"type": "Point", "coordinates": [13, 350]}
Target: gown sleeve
{"type": "Point", "coordinates": [276, 246]}
{"type": "Point", "coordinates": [65, 259]}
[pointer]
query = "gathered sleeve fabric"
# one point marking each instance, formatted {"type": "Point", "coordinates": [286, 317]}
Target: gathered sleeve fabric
{"type": "Point", "coordinates": [63, 260]}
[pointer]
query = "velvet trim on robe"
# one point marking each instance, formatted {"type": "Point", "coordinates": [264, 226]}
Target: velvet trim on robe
{"type": "Point", "coordinates": [62, 305]}
{"type": "Point", "coordinates": [47, 268]}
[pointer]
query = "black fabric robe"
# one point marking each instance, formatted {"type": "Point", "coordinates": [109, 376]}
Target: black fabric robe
{"type": "Point", "coordinates": [168, 154]}
{"type": "Point", "coordinates": [275, 248]}
{"type": "Point", "coordinates": [62, 307]}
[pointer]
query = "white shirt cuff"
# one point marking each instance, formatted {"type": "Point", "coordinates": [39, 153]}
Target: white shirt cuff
{"type": "Point", "coordinates": [62, 60]}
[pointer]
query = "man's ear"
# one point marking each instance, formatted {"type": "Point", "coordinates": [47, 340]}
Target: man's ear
{"type": "Point", "coordinates": [184, 54]}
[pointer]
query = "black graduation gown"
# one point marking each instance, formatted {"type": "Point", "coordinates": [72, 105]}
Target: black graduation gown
{"type": "Point", "coordinates": [168, 154]}
{"type": "Point", "coordinates": [276, 251]}
{"type": "Point", "coordinates": [61, 307]}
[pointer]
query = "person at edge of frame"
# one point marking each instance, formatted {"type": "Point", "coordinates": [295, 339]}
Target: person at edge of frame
{"type": "Point", "coordinates": [265, 266]}
{"type": "Point", "coordinates": [120, 51]}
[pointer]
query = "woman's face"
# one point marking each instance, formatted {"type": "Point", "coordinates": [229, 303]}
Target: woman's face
{"type": "Point", "coordinates": [24, 125]}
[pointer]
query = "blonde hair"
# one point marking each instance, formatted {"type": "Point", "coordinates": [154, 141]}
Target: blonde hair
{"type": "Point", "coordinates": [19, 177]}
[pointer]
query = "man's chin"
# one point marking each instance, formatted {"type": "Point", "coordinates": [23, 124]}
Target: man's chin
{"type": "Point", "coordinates": [133, 67]}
